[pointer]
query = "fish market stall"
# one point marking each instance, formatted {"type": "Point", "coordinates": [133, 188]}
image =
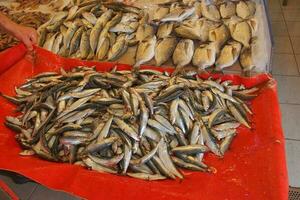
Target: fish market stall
{"type": "Point", "coordinates": [126, 100]}
{"type": "Point", "coordinates": [252, 167]}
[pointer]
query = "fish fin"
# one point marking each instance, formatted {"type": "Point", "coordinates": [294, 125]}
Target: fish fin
{"type": "Point", "coordinates": [136, 68]}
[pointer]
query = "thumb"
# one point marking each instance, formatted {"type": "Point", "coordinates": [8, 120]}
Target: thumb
{"type": "Point", "coordinates": [27, 43]}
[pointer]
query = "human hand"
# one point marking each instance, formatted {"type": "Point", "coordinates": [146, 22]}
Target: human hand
{"type": "Point", "coordinates": [26, 35]}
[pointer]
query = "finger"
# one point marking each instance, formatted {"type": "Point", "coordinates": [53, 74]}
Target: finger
{"type": "Point", "coordinates": [27, 43]}
{"type": "Point", "coordinates": [33, 37]}
{"type": "Point", "coordinates": [29, 56]}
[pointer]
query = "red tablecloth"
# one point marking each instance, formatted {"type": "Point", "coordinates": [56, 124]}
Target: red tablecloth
{"type": "Point", "coordinates": [253, 168]}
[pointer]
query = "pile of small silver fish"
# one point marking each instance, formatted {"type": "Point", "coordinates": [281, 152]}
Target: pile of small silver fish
{"type": "Point", "coordinates": [145, 125]}
{"type": "Point", "coordinates": [203, 33]}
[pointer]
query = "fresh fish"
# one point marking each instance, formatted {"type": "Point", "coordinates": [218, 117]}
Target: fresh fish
{"type": "Point", "coordinates": [190, 149]}
{"type": "Point", "coordinates": [227, 9]}
{"type": "Point", "coordinates": [103, 45]}
{"type": "Point", "coordinates": [245, 9]}
{"type": "Point", "coordinates": [42, 32]}
{"type": "Point", "coordinates": [210, 141]}
{"type": "Point", "coordinates": [49, 42]}
{"type": "Point", "coordinates": [90, 17]}
{"type": "Point", "coordinates": [72, 12]}
{"type": "Point", "coordinates": [83, 9]}
{"type": "Point", "coordinates": [84, 46]}
{"type": "Point", "coordinates": [94, 166]}
{"type": "Point", "coordinates": [166, 159]}
{"type": "Point", "coordinates": [164, 50]}
{"type": "Point", "coordinates": [160, 13]}
{"type": "Point", "coordinates": [210, 11]}
{"type": "Point", "coordinates": [125, 27]}
{"type": "Point", "coordinates": [241, 32]}
{"type": "Point", "coordinates": [246, 60]}
{"type": "Point", "coordinates": [144, 31]}
{"type": "Point", "coordinates": [229, 55]}
{"type": "Point", "coordinates": [183, 53]}
{"type": "Point", "coordinates": [114, 21]}
{"type": "Point", "coordinates": [164, 30]}
{"type": "Point", "coordinates": [126, 128]}
{"type": "Point", "coordinates": [226, 143]}
{"type": "Point", "coordinates": [145, 51]}
{"type": "Point", "coordinates": [118, 48]}
{"type": "Point", "coordinates": [178, 15]}
{"type": "Point", "coordinates": [75, 42]}
{"type": "Point", "coordinates": [236, 113]}
{"type": "Point", "coordinates": [219, 35]}
{"type": "Point", "coordinates": [56, 21]}
{"type": "Point", "coordinates": [189, 30]}
{"type": "Point", "coordinates": [57, 43]}
{"type": "Point", "coordinates": [68, 37]}
{"type": "Point", "coordinates": [148, 177]}
{"type": "Point", "coordinates": [205, 56]}
{"type": "Point", "coordinates": [96, 30]}
{"type": "Point", "coordinates": [180, 163]}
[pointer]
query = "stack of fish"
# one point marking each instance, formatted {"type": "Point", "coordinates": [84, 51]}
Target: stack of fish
{"type": "Point", "coordinates": [91, 31]}
{"type": "Point", "coordinates": [203, 34]}
{"type": "Point", "coordinates": [145, 125]}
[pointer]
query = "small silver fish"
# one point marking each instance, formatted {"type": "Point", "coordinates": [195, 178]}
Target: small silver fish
{"type": "Point", "coordinates": [57, 43]}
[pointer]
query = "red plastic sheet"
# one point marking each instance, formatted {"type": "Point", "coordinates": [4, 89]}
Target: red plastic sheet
{"type": "Point", "coordinates": [253, 168]}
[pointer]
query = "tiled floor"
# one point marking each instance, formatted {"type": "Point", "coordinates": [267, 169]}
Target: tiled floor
{"type": "Point", "coordinates": [285, 21]}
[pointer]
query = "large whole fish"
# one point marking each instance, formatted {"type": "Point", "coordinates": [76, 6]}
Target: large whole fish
{"type": "Point", "coordinates": [183, 54]}
{"type": "Point", "coordinates": [164, 50]}
{"type": "Point", "coordinates": [229, 55]}
{"type": "Point", "coordinates": [145, 51]}
{"type": "Point", "coordinates": [205, 55]}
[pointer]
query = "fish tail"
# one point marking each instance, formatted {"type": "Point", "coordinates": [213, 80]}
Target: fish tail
{"type": "Point", "coordinates": [178, 70]}
{"type": "Point", "coordinates": [136, 68]}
